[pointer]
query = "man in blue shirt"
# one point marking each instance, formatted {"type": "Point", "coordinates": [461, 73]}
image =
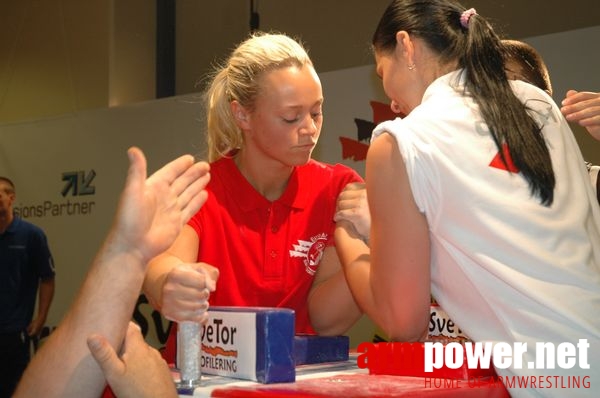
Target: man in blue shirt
{"type": "Point", "coordinates": [25, 264]}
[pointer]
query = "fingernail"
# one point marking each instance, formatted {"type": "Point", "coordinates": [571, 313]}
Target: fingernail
{"type": "Point", "coordinates": [93, 343]}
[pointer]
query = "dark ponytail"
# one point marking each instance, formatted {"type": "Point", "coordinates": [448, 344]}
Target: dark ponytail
{"type": "Point", "coordinates": [477, 49]}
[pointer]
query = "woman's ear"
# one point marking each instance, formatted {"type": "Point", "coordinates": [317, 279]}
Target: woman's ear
{"type": "Point", "coordinates": [240, 114]}
{"type": "Point", "coordinates": [405, 46]}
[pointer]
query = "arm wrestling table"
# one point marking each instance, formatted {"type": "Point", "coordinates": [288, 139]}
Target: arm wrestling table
{"type": "Point", "coordinates": [346, 379]}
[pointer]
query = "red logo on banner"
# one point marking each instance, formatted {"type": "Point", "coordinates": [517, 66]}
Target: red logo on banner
{"type": "Point", "coordinates": [357, 149]}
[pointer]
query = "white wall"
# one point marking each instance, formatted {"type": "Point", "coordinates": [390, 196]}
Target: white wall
{"type": "Point", "coordinates": [35, 155]}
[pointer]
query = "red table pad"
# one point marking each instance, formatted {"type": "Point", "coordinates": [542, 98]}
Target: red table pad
{"type": "Point", "coordinates": [365, 385]}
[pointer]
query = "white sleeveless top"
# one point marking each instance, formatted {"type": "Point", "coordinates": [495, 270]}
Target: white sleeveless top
{"type": "Point", "coordinates": [505, 267]}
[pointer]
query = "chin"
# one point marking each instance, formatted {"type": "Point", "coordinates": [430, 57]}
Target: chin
{"type": "Point", "coordinates": [299, 159]}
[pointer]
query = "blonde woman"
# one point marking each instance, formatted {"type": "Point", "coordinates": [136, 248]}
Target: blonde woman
{"type": "Point", "coordinates": [267, 226]}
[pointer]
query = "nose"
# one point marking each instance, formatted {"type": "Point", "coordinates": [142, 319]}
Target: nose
{"type": "Point", "coordinates": [310, 126]}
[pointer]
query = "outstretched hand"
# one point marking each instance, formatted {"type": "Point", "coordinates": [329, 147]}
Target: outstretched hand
{"type": "Point", "coordinates": [152, 211]}
{"type": "Point", "coordinates": [583, 108]}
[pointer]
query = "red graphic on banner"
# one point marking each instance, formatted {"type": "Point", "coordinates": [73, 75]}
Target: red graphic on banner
{"type": "Point", "coordinates": [357, 149]}
{"type": "Point", "coordinates": [383, 112]}
{"type": "Point", "coordinates": [214, 351]}
{"type": "Point", "coordinates": [353, 149]}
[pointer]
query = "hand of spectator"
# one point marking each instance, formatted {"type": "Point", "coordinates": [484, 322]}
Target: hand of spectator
{"type": "Point", "coordinates": [35, 327]}
{"type": "Point", "coordinates": [152, 211]}
{"type": "Point", "coordinates": [139, 372]}
{"type": "Point", "coordinates": [583, 108]}
{"type": "Point", "coordinates": [352, 206]}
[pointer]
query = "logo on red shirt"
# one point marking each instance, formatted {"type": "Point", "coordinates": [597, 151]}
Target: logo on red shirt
{"type": "Point", "coordinates": [311, 251]}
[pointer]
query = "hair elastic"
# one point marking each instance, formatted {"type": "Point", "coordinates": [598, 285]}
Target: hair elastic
{"type": "Point", "coordinates": [466, 16]}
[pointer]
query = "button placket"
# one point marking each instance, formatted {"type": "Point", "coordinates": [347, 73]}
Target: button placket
{"type": "Point", "coordinates": [272, 260]}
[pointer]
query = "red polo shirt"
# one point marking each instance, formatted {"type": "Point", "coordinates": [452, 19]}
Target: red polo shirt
{"type": "Point", "coordinates": [268, 252]}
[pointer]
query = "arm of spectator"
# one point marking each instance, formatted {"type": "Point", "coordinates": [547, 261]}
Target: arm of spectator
{"type": "Point", "coordinates": [150, 214]}
{"type": "Point", "coordinates": [45, 295]}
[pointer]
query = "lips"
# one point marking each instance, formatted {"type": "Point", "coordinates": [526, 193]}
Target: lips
{"type": "Point", "coordinates": [309, 145]}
